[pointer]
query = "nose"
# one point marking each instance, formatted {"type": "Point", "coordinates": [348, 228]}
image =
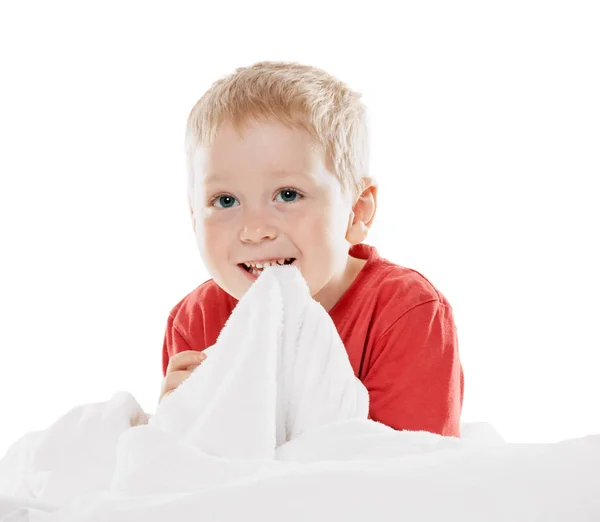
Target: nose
{"type": "Point", "coordinates": [257, 231]}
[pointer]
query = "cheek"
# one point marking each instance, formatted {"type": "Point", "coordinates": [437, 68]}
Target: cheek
{"type": "Point", "coordinates": [319, 230]}
{"type": "Point", "coordinates": [333, 224]}
{"type": "Point", "coordinates": [211, 238]}
{"type": "Point", "coordinates": [309, 225]}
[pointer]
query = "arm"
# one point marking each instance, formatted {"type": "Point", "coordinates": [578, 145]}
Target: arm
{"type": "Point", "coordinates": [179, 361]}
{"type": "Point", "coordinates": [173, 343]}
{"type": "Point", "coordinates": [415, 379]}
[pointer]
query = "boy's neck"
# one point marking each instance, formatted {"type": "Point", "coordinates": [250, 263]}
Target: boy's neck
{"type": "Point", "coordinates": [353, 267]}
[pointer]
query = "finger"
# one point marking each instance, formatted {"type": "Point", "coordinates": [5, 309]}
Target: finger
{"type": "Point", "coordinates": [182, 360]}
{"type": "Point", "coordinates": [171, 382]}
{"type": "Point", "coordinates": [174, 379]}
{"type": "Point", "coordinates": [192, 367]}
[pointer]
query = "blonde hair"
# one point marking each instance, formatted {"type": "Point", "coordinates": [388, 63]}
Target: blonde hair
{"type": "Point", "coordinates": [296, 95]}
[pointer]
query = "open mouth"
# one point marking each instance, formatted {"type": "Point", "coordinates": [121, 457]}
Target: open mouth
{"type": "Point", "coordinates": [256, 268]}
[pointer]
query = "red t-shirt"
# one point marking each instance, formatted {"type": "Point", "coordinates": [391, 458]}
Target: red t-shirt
{"type": "Point", "coordinates": [398, 330]}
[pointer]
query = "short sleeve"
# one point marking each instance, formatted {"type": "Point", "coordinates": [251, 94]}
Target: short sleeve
{"type": "Point", "coordinates": [415, 379]}
{"type": "Point", "coordinates": [173, 343]}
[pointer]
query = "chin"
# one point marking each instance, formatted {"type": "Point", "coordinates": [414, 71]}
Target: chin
{"type": "Point", "coordinates": [231, 286]}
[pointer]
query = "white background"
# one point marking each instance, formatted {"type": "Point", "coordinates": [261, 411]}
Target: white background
{"type": "Point", "coordinates": [485, 124]}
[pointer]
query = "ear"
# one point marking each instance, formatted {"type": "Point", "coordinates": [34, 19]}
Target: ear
{"type": "Point", "coordinates": [363, 213]}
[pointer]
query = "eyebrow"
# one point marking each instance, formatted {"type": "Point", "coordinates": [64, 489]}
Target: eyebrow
{"type": "Point", "coordinates": [212, 178]}
{"type": "Point", "coordinates": [215, 177]}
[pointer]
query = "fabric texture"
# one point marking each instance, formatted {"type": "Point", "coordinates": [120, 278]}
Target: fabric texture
{"type": "Point", "coordinates": [274, 427]}
{"type": "Point", "coordinates": [398, 331]}
{"type": "Point", "coordinates": [278, 369]}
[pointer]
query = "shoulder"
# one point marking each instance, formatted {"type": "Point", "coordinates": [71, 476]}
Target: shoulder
{"type": "Point", "coordinates": [405, 287]}
{"type": "Point", "coordinates": [194, 322]}
{"type": "Point", "coordinates": [386, 292]}
{"type": "Point", "coordinates": [195, 306]}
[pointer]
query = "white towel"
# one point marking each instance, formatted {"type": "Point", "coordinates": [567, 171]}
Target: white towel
{"type": "Point", "coordinates": [274, 425]}
{"type": "Point", "coordinates": [278, 369]}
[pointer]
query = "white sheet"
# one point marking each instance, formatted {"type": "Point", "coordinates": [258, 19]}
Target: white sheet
{"type": "Point", "coordinates": [273, 425]}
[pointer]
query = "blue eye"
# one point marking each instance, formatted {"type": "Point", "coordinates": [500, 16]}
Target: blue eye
{"type": "Point", "coordinates": [225, 201]}
{"type": "Point", "coordinates": [288, 195]}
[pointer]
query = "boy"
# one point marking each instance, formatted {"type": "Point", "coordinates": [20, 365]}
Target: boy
{"type": "Point", "coordinates": [277, 163]}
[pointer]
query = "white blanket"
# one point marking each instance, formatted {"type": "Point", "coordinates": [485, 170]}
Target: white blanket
{"type": "Point", "coordinates": [273, 426]}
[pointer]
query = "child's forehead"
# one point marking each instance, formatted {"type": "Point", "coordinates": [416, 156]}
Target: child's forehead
{"type": "Point", "coordinates": [212, 176]}
{"type": "Point", "coordinates": [314, 180]}
{"type": "Point", "coordinates": [262, 151]}
{"type": "Point", "coordinates": [260, 140]}
{"type": "Point", "coordinates": [271, 164]}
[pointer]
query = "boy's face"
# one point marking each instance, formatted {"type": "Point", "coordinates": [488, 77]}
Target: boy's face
{"type": "Point", "coordinates": [267, 196]}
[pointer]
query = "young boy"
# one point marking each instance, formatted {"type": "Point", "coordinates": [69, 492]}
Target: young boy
{"type": "Point", "coordinates": [277, 161]}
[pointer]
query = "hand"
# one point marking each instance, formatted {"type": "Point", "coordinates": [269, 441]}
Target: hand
{"type": "Point", "coordinates": [181, 366]}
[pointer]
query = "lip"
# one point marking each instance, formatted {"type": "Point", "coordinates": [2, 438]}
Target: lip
{"type": "Point", "coordinates": [267, 260]}
{"type": "Point", "coordinates": [250, 276]}
{"type": "Point", "coordinates": [254, 277]}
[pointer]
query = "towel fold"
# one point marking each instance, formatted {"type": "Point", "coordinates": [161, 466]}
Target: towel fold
{"type": "Point", "coordinates": [277, 370]}
{"type": "Point", "coordinates": [274, 425]}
